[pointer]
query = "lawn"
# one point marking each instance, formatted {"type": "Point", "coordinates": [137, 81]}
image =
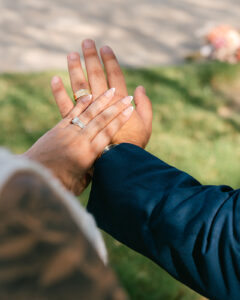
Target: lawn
{"type": "Point", "coordinates": [195, 128]}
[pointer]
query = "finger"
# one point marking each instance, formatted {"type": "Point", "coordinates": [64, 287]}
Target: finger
{"type": "Point", "coordinates": [114, 73]}
{"type": "Point", "coordinates": [104, 137]}
{"type": "Point", "coordinates": [103, 119]}
{"type": "Point", "coordinates": [81, 105]}
{"type": "Point", "coordinates": [97, 106]}
{"type": "Point", "coordinates": [64, 103]}
{"type": "Point", "coordinates": [143, 107]}
{"type": "Point", "coordinates": [77, 77]}
{"type": "Point", "coordinates": [95, 72]}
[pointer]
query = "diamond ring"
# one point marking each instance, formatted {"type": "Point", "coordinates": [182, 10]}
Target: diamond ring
{"type": "Point", "coordinates": [76, 121]}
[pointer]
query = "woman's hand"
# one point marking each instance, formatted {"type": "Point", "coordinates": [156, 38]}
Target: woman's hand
{"type": "Point", "coordinates": [70, 151]}
{"type": "Point", "coordinates": [139, 127]}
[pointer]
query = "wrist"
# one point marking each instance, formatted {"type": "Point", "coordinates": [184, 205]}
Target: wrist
{"type": "Point", "coordinates": [107, 149]}
{"type": "Point", "coordinates": [141, 144]}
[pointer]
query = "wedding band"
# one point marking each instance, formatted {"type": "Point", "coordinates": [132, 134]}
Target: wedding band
{"type": "Point", "coordinates": [80, 93]}
{"type": "Point", "coordinates": [76, 121]}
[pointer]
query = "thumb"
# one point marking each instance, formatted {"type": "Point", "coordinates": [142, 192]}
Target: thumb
{"type": "Point", "coordinates": [143, 107]}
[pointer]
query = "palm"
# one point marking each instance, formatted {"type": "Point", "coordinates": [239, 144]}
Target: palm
{"type": "Point", "coordinates": [138, 129]}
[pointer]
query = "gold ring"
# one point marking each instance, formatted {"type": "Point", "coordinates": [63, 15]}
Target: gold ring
{"type": "Point", "coordinates": [80, 93]}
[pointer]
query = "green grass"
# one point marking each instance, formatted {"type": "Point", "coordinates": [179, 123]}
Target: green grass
{"type": "Point", "coordinates": [191, 130]}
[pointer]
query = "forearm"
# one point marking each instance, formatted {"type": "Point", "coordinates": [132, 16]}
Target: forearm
{"type": "Point", "coordinates": [191, 230]}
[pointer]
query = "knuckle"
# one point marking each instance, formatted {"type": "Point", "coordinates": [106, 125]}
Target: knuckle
{"type": "Point", "coordinates": [75, 82]}
{"type": "Point", "coordinates": [82, 85]}
{"type": "Point", "coordinates": [97, 72]}
{"type": "Point", "coordinates": [108, 58]}
{"type": "Point", "coordinates": [98, 123]}
{"type": "Point", "coordinates": [90, 53]}
{"type": "Point", "coordinates": [88, 114]}
{"type": "Point", "coordinates": [109, 131]}
{"type": "Point", "coordinates": [64, 106]}
{"type": "Point", "coordinates": [118, 122]}
{"type": "Point", "coordinates": [105, 116]}
{"type": "Point", "coordinates": [74, 69]}
{"type": "Point", "coordinates": [115, 72]}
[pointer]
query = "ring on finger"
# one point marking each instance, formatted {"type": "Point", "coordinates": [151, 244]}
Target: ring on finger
{"type": "Point", "coordinates": [78, 122]}
{"type": "Point", "coordinates": [80, 93]}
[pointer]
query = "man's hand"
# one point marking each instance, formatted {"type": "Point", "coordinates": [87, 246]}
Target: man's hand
{"type": "Point", "coordinates": [139, 127]}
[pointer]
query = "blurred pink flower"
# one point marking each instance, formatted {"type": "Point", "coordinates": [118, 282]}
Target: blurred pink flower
{"type": "Point", "coordinates": [224, 42]}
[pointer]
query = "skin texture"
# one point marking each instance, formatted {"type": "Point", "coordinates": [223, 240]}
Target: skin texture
{"type": "Point", "coordinates": [139, 127]}
{"type": "Point", "coordinates": [69, 151]}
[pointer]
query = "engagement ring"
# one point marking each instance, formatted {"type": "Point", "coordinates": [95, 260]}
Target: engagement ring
{"type": "Point", "coordinates": [76, 121]}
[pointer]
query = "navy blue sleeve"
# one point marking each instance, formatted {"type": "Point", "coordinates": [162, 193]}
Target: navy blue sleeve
{"type": "Point", "coordinates": [189, 229]}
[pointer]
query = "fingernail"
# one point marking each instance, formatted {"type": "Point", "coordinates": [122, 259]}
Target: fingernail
{"type": "Point", "coordinates": [55, 80]}
{"type": "Point", "coordinates": [73, 56]}
{"type": "Point", "coordinates": [127, 100]}
{"type": "Point", "coordinates": [86, 99]}
{"type": "Point", "coordinates": [110, 93]}
{"type": "Point", "coordinates": [88, 44]}
{"type": "Point", "coordinates": [106, 49]}
{"type": "Point", "coordinates": [142, 88]}
{"type": "Point", "coordinates": [127, 112]}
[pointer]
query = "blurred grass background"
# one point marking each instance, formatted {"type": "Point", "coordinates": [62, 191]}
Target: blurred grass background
{"type": "Point", "coordinates": [195, 128]}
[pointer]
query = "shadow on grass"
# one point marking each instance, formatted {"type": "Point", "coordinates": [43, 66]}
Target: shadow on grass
{"type": "Point", "coordinates": [153, 77]}
{"type": "Point", "coordinates": [188, 83]}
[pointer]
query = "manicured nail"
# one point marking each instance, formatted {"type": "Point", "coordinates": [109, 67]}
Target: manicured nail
{"type": "Point", "coordinates": [88, 44]}
{"type": "Point", "coordinates": [110, 93]}
{"type": "Point", "coordinates": [55, 80]}
{"type": "Point", "coordinates": [106, 49]}
{"type": "Point", "coordinates": [73, 56]}
{"type": "Point", "coordinates": [86, 99]}
{"type": "Point", "coordinates": [127, 112]}
{"type": "Point", "coordinates": [127, 100]}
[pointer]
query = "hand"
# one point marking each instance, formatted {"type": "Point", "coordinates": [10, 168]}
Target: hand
{"type": "Point", "coordinates": [70, 151]}
{"type": "Point", "coordinates": [139, 127]}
